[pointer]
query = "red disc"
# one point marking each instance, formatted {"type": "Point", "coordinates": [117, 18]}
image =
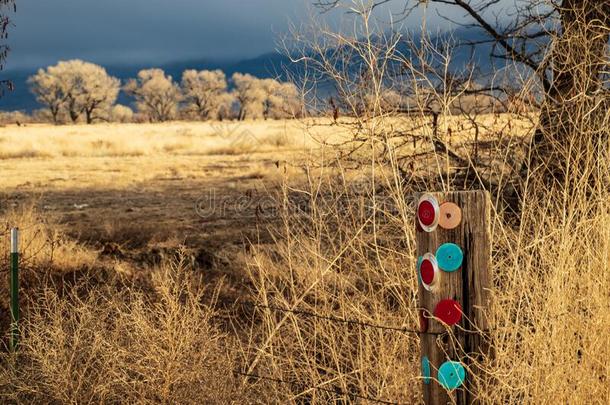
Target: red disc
{"type": "Point", "coordinates": [448, 311]}
{"type": "Point", "coordinates": [423, 322]}
{"type": "Point", "coordinates": [426, 213]}
{"type": "Point", "coordinates": [426, 270]}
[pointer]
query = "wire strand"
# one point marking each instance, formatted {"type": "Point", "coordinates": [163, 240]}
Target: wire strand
{"type": "Point", "coordinates": [335, 319]}
{"type": "Point", "coordinates": [362, 323]}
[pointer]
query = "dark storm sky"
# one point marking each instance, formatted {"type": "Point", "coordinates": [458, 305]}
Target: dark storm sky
{"type": "Point", "coordinates": [150, 31]}
{"type": "Point", "coordinates": [124, 31]}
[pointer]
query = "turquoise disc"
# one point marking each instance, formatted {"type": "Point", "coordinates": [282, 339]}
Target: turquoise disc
{"type": "Point", "coordinates": [451, 375]}
{"type": "Point", "coordinates": [449, 257]}
{"type": "Point", "coordinates": [419, 260]}
{"type": "Point", "coordinates": [425, 370]}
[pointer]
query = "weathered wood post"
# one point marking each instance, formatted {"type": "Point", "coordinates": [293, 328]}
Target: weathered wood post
{"type": "Point", "coordinates": [454, 257]}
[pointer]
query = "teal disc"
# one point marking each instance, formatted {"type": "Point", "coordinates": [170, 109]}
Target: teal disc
{"type": "Point", "coordinates": [419, 260]}
{"type": "Point", "coordinates": [451, 375]}
{"type": "Point", "coordinates": [449, 257]}
{"type": "Point", "coordinates": [425, 370]}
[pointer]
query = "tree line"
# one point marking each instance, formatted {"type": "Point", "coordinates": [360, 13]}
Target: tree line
{"type": "Point", "coordinates": [78, 91]}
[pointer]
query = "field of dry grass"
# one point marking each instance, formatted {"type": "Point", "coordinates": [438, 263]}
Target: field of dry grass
{"type": "Point", "coordinates": [145, 248]}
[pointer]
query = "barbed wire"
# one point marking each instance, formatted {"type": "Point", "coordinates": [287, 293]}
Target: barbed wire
{"type": "Point", "coordinates": [335, 390]}
{"type": "Point", "coordinates": [332, 318]}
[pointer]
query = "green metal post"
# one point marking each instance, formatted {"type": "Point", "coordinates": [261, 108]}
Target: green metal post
{"type": "Point", "coordinates": [14, 289]}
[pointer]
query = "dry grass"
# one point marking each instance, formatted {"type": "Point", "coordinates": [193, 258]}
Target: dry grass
{"type": "Point", "coordinates": [91, 334]}
{"type": "Point", "coordinates": [550, 316]}
{"type": "Point", "coordinates": [210, 138]}
{"type": "Point", "coordinates": [112, 345]}
{"type": "Point", "coordinates": [101, 330]}
{"type": "Point", "coordinates": [125, 140]}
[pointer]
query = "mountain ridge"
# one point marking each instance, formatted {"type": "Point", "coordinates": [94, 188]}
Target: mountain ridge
{"type": "Point", "coordinates": [271, 64]}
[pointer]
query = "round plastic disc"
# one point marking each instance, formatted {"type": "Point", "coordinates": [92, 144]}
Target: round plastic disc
{"type": "Point", "coordinates": [449, 257]}
{"type": "Point", "coordinates": [450, 215]}
{"type": "Point", "coordinates": [451, 375]}
{"type": "Point", "coordinates": [425, 369]}
{"type": "Point", "coordinates": [448, 311]}
{"type": "Point", "coordinates": [428, 212]}
{"type": "Point", "coordinates": [429, 273]}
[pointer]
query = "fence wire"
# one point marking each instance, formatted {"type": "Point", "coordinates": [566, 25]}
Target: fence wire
{"type": "Point", "coordinates": [332, 318]}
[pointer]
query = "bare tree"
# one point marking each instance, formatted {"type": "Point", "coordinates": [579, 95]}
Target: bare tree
{"type": "Point", "coordinates": [95, 90]}
{"type": "Point", "coordinates": [250, 94]}
{"type": "Point", "coordinates": [156, 94]}
{"type": "Point", "coordinates": [282, 99]}
{"type": "Point", "coordinates": [205, 93]}
{"type": "Point", "coordinates": [564, 45]}
{"type": "Point", "coordinates": [78, 87]}
{"type": "Point", "coordinates": [48, 91]}
{"type": "Point", "coordinates": [266, 98]}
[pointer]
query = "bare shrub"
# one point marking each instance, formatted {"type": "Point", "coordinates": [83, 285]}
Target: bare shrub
{"type": "Point", "coordinates": [15, 117]}
{"type": "Point", "coordinates": [345, 247]}
{"type": "Point", "coordinates": [121, 113]}
{"type": "Point", "coordinates": [115, 344]}
{"type": "Point", "coordinates": [90, 334]}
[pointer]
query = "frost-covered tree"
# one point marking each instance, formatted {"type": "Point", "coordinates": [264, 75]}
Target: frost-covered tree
{"type": "Point", "coordinates": [157, 95]}
{"type": "Point", "coordinates": [76, 86]}
{"type": "Point", "coordinates": [265, 98]}
{"type": "Point", "coordinates": [48, 91]}
{"type": "Point", "coordinates": [282, 99]}
{"type": "Point", "coordinates": [251, 95]}
{"type": "Point", "coordinates": [205, 93]}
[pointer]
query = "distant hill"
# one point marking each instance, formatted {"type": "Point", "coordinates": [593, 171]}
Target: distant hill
{"type": "Point", "coordinates": [264, 66]}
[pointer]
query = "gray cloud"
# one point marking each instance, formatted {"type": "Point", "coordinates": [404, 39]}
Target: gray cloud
{"type": "Point", "coordinates": [132, 31]}
{"type": "Point", "coordinates": [150, 31]}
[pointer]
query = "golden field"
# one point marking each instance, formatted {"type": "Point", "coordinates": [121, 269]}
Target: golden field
{"type": "Point", "coordinates": [144, 246]}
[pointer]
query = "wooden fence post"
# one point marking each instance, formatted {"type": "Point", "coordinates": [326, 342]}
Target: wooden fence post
{"type": "Point", "coordinates": [454, 257]}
